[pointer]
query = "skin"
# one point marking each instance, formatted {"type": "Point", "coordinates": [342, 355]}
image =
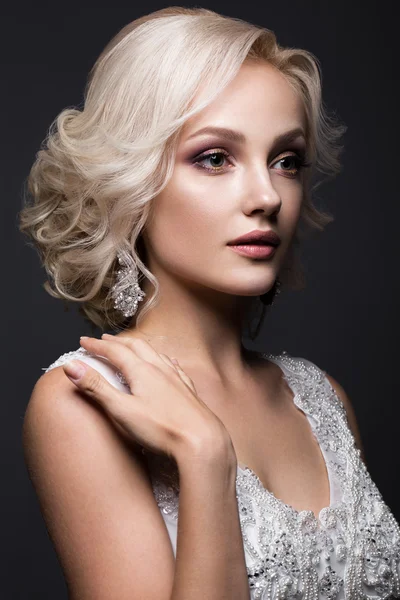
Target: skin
{"type": "Point", "coordinates": [205, 285]}
{"type": "Point", "coordinates": [205, 290]}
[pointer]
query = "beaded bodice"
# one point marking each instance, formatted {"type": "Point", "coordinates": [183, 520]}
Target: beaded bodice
{"type": "Point", "coordinates": [350, 551]}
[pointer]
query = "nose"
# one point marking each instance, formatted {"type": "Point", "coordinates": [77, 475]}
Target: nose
{"type": "Point", "coordinates": [262, 195]}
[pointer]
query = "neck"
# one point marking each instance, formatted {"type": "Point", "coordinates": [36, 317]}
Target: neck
{"type": "Point", "coordinates": [203, 333]}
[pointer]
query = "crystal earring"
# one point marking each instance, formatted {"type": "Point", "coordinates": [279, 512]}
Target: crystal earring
{"type": "Point", "coordinates": [126, 292]}
{"type": "Point", "coordinates": [269, 297]}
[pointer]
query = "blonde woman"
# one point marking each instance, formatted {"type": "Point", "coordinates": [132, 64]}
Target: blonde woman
{"type": "Point", "coordinates": [170, 462]}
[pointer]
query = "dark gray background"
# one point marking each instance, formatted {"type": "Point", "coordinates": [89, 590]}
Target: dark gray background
{"type": "Point", "coordinates": [346, 320]}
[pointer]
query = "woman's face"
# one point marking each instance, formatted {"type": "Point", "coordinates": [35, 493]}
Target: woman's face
{"type": "Point", "coordinates": [241, 186]}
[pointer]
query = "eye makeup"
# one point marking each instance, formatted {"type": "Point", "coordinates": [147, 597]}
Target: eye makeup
{"type": "Point", "coordinates": [298, 158]}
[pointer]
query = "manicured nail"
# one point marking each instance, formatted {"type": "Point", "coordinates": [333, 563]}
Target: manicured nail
{"type": "Point", "coordinates": [74, 370]}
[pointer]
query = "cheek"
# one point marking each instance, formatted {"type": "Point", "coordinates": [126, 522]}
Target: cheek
{"type": "Point", "coordinates": [186, 223]}
{"type": "Point", "coordinates": [288, 221]}
{"type": "Point", "coordinates": [290, 214]}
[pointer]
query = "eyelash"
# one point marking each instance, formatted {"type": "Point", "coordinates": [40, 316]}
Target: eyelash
{"type": "Point", "coordinates": [299, 158]}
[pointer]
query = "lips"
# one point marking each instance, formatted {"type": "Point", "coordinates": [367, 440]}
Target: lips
{"type": "Point", "coordinates": [257, 237]}
{"type": "Point", "coordinates": [252, 243]}
{"type": "Point", "coordinates": [259, 251]}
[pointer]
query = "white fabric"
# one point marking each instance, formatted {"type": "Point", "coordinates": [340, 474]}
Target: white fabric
{"type": "Point", "coordinates": [350, 551]}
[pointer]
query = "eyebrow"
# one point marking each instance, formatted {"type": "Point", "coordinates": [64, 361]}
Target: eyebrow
{"type": "Point", "coordinates": [236, 136]}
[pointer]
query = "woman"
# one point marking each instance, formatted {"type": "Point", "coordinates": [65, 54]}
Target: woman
{"type": "Point", "coordinates": [169, 439]}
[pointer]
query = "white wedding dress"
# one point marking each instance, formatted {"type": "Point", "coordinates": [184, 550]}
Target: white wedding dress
{"type": "Point", "coordinates": [351, 551]}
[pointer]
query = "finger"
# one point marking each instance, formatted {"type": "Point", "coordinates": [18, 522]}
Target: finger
{"type": "Point", "coordinates": [141, 347]}
{"type": "Point", "coordinates": [126, 360]}
{"type": "Point", "coordinates": [173, 362]}
{"type": "Point", "coordinates": [185, 378]}
{"type": "Point", "coordinates": [168, 360]}
{"type": "Point", "coordinates": [92, 383]}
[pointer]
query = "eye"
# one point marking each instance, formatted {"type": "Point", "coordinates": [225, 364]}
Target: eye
{"type": "Point", "coordinates": [216, 155]}
{"type": "Point", "coordinates": [297, 161]}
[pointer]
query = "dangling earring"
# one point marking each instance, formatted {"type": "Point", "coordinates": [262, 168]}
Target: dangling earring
{"type": "Point", "coordinates": [126, 292]}
{"type": "Point", "coordinates": [269, 297]}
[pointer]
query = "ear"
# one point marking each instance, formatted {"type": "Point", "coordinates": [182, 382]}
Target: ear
{"type": "Point", "coordinates": [351, 416]}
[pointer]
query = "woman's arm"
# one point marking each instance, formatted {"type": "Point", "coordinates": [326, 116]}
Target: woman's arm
{"type": "Point", "coordinates": [210, 560]}
{"type": "Point", "coordinates": [102, 517]}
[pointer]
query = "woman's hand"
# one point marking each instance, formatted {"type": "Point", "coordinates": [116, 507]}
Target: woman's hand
{"type": "Point", "coordinates": [163, 411]}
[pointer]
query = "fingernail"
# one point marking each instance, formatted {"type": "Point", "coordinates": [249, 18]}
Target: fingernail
{"type": "Point", "coordinates": [174, 360]}
{"type": "Point", "coordinates": [74, 370]}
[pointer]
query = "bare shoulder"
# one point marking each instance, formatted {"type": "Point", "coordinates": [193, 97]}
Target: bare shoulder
{"type": "Point", "coordinates": [351, 415]}
{"type": "Point", "coordinates": [55, 397]}
{"type": "Point", "coordinates": [95, 496]}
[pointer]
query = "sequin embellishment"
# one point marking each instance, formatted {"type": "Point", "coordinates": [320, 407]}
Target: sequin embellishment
{"type": "Point", "coordinates": [351, 552]}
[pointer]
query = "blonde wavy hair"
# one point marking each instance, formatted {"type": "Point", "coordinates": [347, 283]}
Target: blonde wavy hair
{"type": "Point", "coordinates": [89, 192]}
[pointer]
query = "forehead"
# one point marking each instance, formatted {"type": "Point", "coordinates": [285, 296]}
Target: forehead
{"type": "Point", "coordinates": [258, 100]}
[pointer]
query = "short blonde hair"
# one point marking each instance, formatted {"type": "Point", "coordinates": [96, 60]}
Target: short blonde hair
{"type": "Point", "coordinates": [99, 168]}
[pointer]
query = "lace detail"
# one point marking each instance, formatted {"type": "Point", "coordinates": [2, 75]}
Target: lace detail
{"type": "Point", "coordinates": [64, 358]}
{"type": "Point", "coordinates": [165, 481]}
{"type": "Point", "coordinates": [78, 354]}
{"type": "Point", "coordinates": [352, 551]}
